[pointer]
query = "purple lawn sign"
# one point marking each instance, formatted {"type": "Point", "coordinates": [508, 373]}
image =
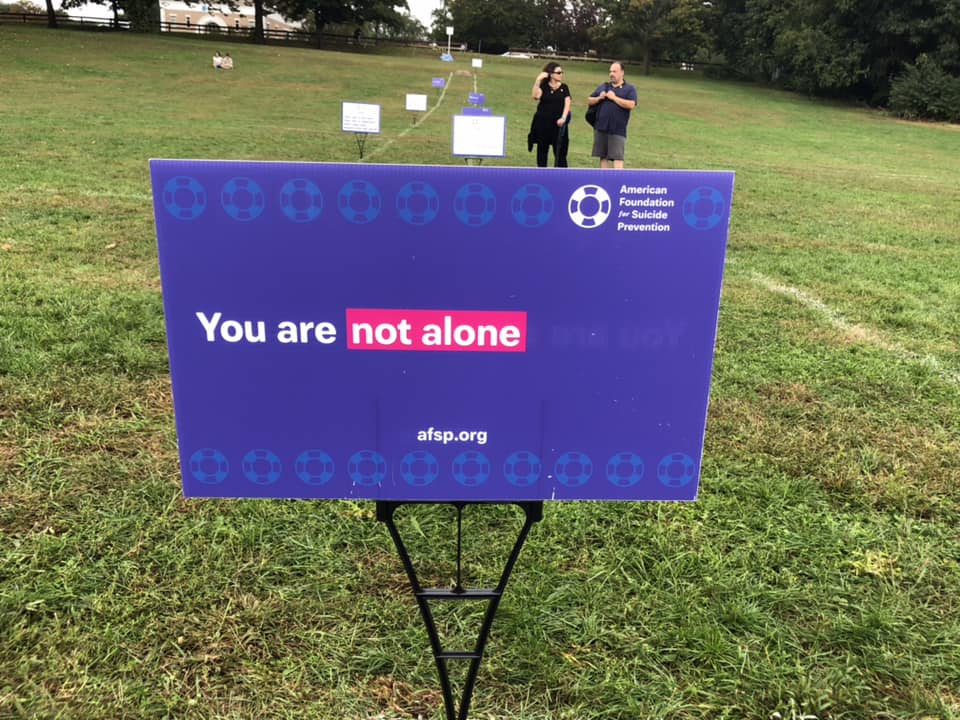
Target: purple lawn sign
{"type": "Point", "coordinates": [476, 98]}
{"type": "Point", "coordinates": [439, 333]}
{"type": "Point", "coordinates": [438, 82]}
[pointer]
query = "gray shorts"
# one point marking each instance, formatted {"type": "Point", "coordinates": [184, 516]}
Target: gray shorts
{"type": "Point", "coordinates": [608, 147]}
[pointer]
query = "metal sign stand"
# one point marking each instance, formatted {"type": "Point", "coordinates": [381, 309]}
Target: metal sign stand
{"type": "Point", "coordinates": [533, 511]}
{"type": "Point", "coordinates": [361, 141]}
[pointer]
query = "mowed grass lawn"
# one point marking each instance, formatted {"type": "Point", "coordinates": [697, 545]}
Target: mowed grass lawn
{"type": "Point", "coordinates": [818, 574]}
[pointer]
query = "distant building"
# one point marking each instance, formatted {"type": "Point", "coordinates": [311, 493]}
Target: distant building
{"type": "Point", "coordinates": [217, 18]}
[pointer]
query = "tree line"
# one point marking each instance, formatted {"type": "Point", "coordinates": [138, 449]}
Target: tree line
{"type": "Point", "coordinates": [385, 18]}
{"type": "Point", "coordinates": [899, 54]}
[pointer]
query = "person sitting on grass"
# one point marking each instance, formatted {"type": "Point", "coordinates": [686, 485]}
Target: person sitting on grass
{"type": "Point", "coordinates": [227, 63]}
{"type": "Point", "coordinates": [217, 60]}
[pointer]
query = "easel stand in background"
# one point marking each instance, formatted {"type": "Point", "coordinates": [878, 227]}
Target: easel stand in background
{"type": "Point", "coordinates": [533, 512]}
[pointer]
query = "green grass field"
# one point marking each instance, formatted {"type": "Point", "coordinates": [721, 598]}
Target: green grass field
{"type": "Point", "coordinates": [817, 575]}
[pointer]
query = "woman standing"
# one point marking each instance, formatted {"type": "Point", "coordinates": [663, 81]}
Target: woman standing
{"type": "Point", "coordinates": [549, 127]}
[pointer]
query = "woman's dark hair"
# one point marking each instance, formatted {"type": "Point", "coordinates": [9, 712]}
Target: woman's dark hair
{"type": "Point", "coordinates": [550, 67]}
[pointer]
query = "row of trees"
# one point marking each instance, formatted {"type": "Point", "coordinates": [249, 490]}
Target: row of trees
{"type": "Point", "coordinates": [899, 53]}
{"type": "Point", "coordinates": [648, 29]}
{"type": "Point", "coordinates": [384, 17]}
{"type": "Point", "coordinates": [880, 51]}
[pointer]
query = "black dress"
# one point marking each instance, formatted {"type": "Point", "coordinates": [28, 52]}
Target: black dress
{"type": "Point", "coordinates": [544, 131]}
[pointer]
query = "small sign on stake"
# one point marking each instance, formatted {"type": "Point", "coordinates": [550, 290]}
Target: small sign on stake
{"type": "Point", "coordinates": [361, 119]}
{"type": "Point", "coordinates": [416, 103]}
{"type": "Point", "coordinates": [479, 136]}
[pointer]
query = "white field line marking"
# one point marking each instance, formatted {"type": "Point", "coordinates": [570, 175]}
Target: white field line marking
{"type": "Point", "coordinates": [388, 143]}
{"type": "Point", "coordinates": [857, 332]}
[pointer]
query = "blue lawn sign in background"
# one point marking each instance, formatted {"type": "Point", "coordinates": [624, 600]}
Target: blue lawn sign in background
{"type": "Point", "coordinates": [439, 333]}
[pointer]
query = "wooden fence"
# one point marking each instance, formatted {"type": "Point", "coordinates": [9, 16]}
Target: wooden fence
{"type": "Point", "coordinates": [237, 32]}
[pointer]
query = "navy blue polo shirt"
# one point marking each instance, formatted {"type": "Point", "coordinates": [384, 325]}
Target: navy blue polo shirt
{"type": "Point", "coordinates": [611, 118]}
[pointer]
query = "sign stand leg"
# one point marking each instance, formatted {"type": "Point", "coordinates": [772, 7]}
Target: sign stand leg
{"type": "Point", "coordinates": [361, 141]}
{"type": "Point", "coordinates": [533, 511]}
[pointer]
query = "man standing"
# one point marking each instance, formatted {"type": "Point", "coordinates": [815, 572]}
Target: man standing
{"type": "Point", "coordinates": [616, 98]}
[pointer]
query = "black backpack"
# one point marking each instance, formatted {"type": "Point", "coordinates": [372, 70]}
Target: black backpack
{"type": "Point", "coordinates": [591, 116]}
{"type": "Point", "coordinates": [592, 110]}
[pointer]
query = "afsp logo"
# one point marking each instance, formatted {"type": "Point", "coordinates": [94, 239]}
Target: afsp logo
{"type": "Point", "coordinates": [589, 206]}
